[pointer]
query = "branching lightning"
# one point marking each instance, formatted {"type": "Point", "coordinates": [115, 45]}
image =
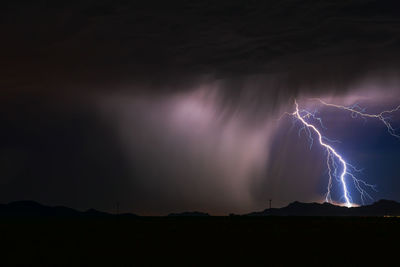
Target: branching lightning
{"type": "Point", "coordinates": [356, 110]}
{"type": "Point", "coordinates": [338, 168]}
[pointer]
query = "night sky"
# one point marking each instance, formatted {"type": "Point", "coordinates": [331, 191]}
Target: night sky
{"type": "Point", "coordinates": [174, 106]}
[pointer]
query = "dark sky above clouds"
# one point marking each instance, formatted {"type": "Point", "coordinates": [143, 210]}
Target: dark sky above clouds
{"type": "Point", "coordinates": [170, 106]}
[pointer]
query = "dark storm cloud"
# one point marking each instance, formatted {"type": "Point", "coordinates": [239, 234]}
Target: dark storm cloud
{"type": "Point", "coordinates": [84, 81]}
{"type": "Point", "coordinates": [99, 42]}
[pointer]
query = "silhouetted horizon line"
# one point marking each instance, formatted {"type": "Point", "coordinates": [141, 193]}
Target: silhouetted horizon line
{"type": "Point", "coordinates": [382, 207]}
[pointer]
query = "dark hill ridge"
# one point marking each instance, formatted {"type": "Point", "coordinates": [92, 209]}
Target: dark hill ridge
{"type": "Point", "coordinates": [31, 208]}
{"type": "Point", "coordinates": [379, 208]}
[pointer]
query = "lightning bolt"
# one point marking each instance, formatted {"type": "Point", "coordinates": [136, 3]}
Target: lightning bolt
{"type": "Point", "coordinates": [357, 110]}
{"type": "Point", "coordinates": [337, 166]}
{"type": "Point", "coordinates": [331, 153]}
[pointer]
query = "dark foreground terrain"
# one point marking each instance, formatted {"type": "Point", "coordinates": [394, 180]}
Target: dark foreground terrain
{"type": "Point", "coordinates": [200, 241]}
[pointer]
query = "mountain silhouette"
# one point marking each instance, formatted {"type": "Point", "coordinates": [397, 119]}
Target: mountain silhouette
{"type": "Point", "coordinates": [380, 208]}
{"type": "Point", "coordinates": [32, 208]}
